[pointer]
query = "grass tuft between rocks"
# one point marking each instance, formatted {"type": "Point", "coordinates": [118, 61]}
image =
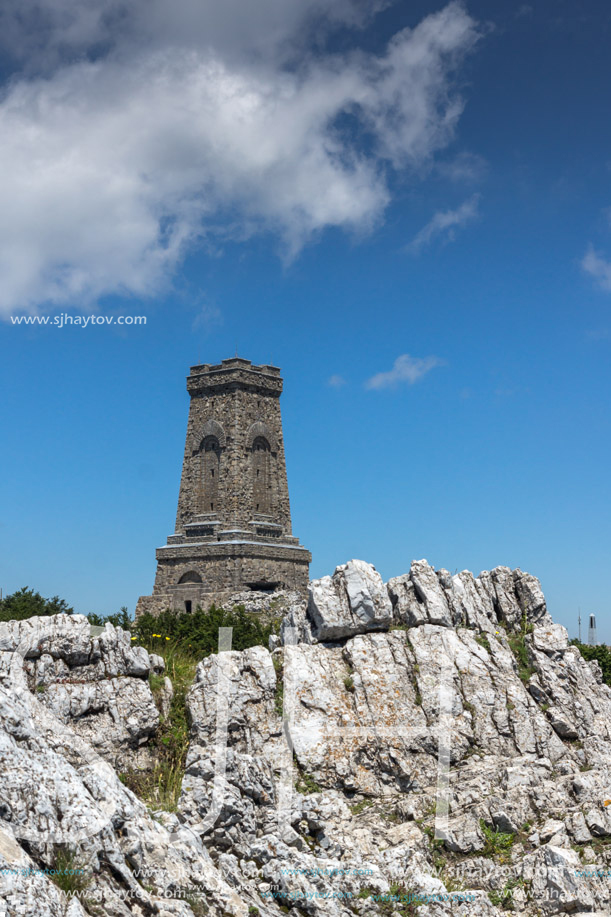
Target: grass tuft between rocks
{"type": "Point", "coordinates": [497, 843]}
{"type": "Point", "coordinates": [161, 786]}
{"type": "Point", "coordinates": [182, 640]}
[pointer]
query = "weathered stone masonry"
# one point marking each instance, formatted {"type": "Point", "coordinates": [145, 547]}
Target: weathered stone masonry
{"type": "Point", "coordinates": [233, 525]}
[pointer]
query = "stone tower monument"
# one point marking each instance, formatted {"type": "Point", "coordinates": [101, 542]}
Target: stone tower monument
{"type": "Point", "coordinates": [233, 525]}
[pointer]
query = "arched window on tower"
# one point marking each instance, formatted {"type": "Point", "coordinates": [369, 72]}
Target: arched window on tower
{"type": "Point", "coordinates": [189, 577]}
{"type": "Point", "coordinates": [210, 469]}
{"type": "Point", "coordinates": [261, 479]}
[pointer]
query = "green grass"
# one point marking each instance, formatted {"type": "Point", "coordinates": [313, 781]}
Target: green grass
{"type": "Point", "coordinates": [199, 907]}
{"type": "Point", "coordinates": [67, 881]}
{"type": "Point", "coordinates": [519, 649]}
{"type": "Point", "coordinates": [504, 898]}
{"type": "Point", "coordinates": [389, 907]}
{"type": "Point", "coordinates": [156, 684]}
{"type": "Point", "coordinates": [497, 898]}
{"type": "Point", "coordinates": [517, 644]}
{"type": "Point", "coordinates": [306, 784]}
{"type": "Point", "coordinates": [183, 640]}
{"type": "Point", "coordinates": [482, 639]}
{"type": "Point", "coordinates": [161, 786]}
{"type": "Point", "coordinates": [497, 843]}
{"type": "Point", "coordinates": [358, 807]}
{"type": "Point", "coordinates": [279, 693]}
{"type": "Point", "coordinates": [349, 683]}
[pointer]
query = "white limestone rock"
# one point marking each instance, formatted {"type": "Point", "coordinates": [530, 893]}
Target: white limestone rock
{"type": "Point", "coordinates": [56, 790]}
{"type": "Point", "coordinates": [426, 596]}
{"type": "Point", "coordinates": [114, 716]}
{"type": "Point", "coordinates": [352, 601]}
{"type": "Point", "coordinates": [365, 707]}
{"type": "Point", "coordinates": [552, 638]}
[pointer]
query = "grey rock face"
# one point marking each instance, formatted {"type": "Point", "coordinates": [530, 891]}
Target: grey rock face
{"type": "Point", "coordinates": [97, 684]}
{"type": "Point", "coordinates": [58, 792]}
{"type": "Point", "coordinates": [502, 596]}
{"type": "Point", "coordinates": [315, 772]}
{"type": "Point", "coordinates": [352, 601]}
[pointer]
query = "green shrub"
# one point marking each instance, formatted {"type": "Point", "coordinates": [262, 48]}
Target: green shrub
{"type": "Point", "coordinates": [349, 683]}
{"type": "Point", "coordinates": [398, 900]}
{"type": "Point", "coordinates": [25, 603]}
{"type": "Point", "coordinates": [120, 619]}
{"type": "Point", "coordinates": [601, 653]}
{"type": "Point", "coordinates": [197, 632]}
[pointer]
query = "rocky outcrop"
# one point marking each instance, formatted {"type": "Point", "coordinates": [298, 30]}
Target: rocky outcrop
{"type": "Point", "coordinates": [503, 596]}
{"type": "Point", "coordinates": [98, 685]}
{"type": "Point", "coordinates": [352, 601]}
{"type": "Point", "coordinates": [59, 792]}
{"type": "Point", "coordinates": [437, 737]}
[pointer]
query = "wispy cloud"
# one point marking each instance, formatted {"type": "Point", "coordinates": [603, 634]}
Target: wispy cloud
{"type": "Point", "coordinates": [465, 167]}
{"type": "Point", "coordinates": [406, 369]}
{"type": "Point", "coordinates": [445, 223]}
{"type": "Point", "coordinates": [598, 267]}
{"type": "Point", "coordinates": [208, 317]}
{"type": "Point", "coordinates": [336, 381]}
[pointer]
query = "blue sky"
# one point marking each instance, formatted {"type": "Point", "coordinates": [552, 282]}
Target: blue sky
{"type": "Point", "coordinates": [292, 188]}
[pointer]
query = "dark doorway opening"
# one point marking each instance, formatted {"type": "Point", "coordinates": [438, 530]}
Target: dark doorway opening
{"type": "Point", "coordinates": [263, 587]}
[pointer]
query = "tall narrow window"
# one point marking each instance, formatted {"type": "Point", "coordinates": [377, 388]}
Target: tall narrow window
{"type": "Point", "coordinates": [210, 462]}
{"type": "Point", "coordinates": [261, 489]}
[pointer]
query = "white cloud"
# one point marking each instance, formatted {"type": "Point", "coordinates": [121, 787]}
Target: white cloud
{"type": "Point", "coordinates": [445, 222]}
{"type": "Point", "coordinates": [405, 369]}
{"type": "Point", "coordinates": [336, 381]}
{"type": "Point", "coordinates": [136, 133]}
{"type": "Point", "coordinates": [598, 267]}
